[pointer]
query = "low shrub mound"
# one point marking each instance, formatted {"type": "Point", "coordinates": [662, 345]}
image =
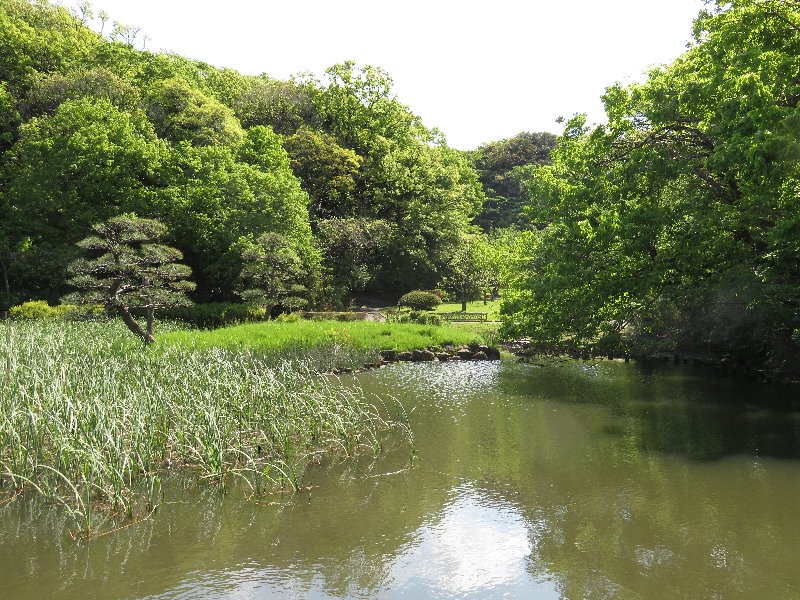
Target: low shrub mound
{"type": "Point", "coordinates": [419, 300]}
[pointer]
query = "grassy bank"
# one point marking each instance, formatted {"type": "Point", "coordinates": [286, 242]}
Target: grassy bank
{"type": "Point", "coordinates": [492, 307]}
{"type": "Point", "coordinates": [88, 418]}
{"type": "Point", "coordinates": [330, 344]}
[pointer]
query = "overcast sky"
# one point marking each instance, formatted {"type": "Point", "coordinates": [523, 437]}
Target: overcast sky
{"type": "Point", "coordinates": [479, 71]}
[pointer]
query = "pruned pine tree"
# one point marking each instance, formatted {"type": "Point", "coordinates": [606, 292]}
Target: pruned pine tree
{"type": "Point", "coordinates": [126, 271]}
{"type": "Point", "coordinates": [272, 274]}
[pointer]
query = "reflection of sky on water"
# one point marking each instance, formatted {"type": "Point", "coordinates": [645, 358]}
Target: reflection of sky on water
{"type": "Point", "coordinates": [479, 547]}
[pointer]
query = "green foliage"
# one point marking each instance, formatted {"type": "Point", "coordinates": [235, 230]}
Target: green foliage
{"type": "Point", "coordinates": [218, 198]}
{"type": "Point", "coordinates": [283, 105]}
{"type": "Point", "coordinates": [110, 419]}
{"type": "Point", "coordinates": [676, 224]}
{"type": "Point", "coordinates": [40, 309]}
{"type": "Point", "coordinates": [353, 249]}
{"type": "Point", "coordinates": [83, 164]}
{"type": "Point", "coordinates": [503, 168]}
{"type": "Point", "coordinates": [95, 128]}
{"type": "Point", "coordinates": [9, 118]}
{"type": "Point", "coordinates": [211, 315]}
{"type": "Point", "coordinates": [469, 269]}
{"type": "Point", "coordinates": [290, 317]}
{"type": "Point", "coordinates": [127, 270]}
{"type": "Point", "coordinates": [423, 318]}
{"type": "Point", "coordinates": [327, 170]}
{"type": "Point", "coordinates": [39, 37]}
{"type": "Point", "coordinates": [180, 113]}
{"type": "Point", "coordinates": [272, 274]}
{"type": "Point", "coordinates": [50, 90]}
{"type": "Point", "coordinates": [441, 293]}
{"type": "Point", "coordinates": [419, 300]}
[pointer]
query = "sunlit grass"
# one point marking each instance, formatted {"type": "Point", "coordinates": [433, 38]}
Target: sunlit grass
{"type": "Point", "coordinates": [492, 307]}
{"type": "Point", "coordinates": [328, 339]}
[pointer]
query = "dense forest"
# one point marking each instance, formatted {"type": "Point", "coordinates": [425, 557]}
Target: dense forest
{"type": "Point", "coordinates": [674, 226]}
{"type": "Point", "coordinates": [369, 198]}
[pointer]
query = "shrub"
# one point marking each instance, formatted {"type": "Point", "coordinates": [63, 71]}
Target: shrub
{"type": "Point", "coordinates": [441, 293]}
{"type": "Point", "coordinates": [333, 316]}
{"type": "Point", "coordinates": [292, 317]}
{"type": "Point", "coordinates": [419, 300]}
{"type": "Point", "coordinates": [40, 309]}
{"type": "Point", "coordinates": [423, 318]}
{"type": "Point", "coordinates": [215, 314]}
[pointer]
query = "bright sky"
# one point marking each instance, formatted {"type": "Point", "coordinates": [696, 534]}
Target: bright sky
{"type": "Point", "coordinates": [479, 71]}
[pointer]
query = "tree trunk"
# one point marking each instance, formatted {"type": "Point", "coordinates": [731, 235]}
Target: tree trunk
{"type": "Point", "coordinates": [135, 328]}
{"type": "Point", "coordinates": [150, 323]}
{"type": "Point", "coordinates": [5, 280]}
{"type": "Point", "coordinates": [463, 306]}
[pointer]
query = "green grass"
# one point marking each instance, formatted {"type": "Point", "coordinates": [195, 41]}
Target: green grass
{"type": "Point", "coordinates": [353, 340]}
{"type": "Point", "coordinates": [492, 307]}
{"type": "Point", "coordinates": [89, 418]}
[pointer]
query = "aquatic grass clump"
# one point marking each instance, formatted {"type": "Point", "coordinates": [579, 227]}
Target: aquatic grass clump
{"type": "Point", "coordinates": [88, 417]}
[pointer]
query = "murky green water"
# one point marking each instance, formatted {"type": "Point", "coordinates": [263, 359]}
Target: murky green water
{"type": "Point", "coordinates": [571, 481]}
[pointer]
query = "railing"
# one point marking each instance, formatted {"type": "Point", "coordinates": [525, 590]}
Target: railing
{"type": "Point", "coordinates": [464, 316]}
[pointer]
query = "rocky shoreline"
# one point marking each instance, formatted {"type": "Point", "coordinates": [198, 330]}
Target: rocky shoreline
{"type": "Point", "coordinates": [471, 352]}
{"type": "Point", "coordinates": [722, 362]}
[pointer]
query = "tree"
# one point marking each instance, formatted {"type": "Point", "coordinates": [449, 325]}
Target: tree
{"type": "Point", "coordinates": [353, 249]}
{"type": "Point", "coordinates": [675, 225]}
{"type": "Point", "coordinates": [503, 169]}
{"type": "Point", "coordinates": [83, 164]}
{"type": "Point", "coordinates": [182, 113]}
{"type": "Point", "coordinates": [327, 170]}
{"type": "Point", "coordinates": [272, 274]}
{"type": "Point", "coordinates": [467, 272]}
{"type": "Point", "coordinates": [127, 271]}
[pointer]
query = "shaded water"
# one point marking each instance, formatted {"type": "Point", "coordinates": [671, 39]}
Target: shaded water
{"type": "Point", "coordinates": [572, 481]}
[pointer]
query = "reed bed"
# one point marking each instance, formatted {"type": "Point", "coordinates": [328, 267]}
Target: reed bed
{"type": "Point", "coordinates": [90, 419]}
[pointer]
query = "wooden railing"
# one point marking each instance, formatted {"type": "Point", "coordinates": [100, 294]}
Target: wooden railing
{"type": "Point", "coordinates": [464, 316]}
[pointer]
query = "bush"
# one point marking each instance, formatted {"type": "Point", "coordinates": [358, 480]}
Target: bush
{"type": "Point", "coordinates": [423, 318]}
{"type": "Point", "coordinates": [40, 309]}
{"type": "Point", "coordinates": [333, 316]}
{"type": "Point", "coordinates": [214, 314]}
{"type": "Point", "coordinates": [441, 293]}
{"type": "Point", "coordinates": [292, 317]}
{"type": "Point", "coordinates": [419, 300]}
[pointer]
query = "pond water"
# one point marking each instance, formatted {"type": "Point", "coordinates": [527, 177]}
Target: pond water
{"type": "Point", "coordinates": [574, 480]}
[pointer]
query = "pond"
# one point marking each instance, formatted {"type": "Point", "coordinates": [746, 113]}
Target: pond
{"type": "Point", "coordinates": [571, 480]}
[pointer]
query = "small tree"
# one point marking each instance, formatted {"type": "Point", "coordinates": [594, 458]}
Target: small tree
{"type": "Point", "coordinates": [272, 274]}
{"type": "Point", "coordinates": [467, 272]}
{"type": "Point", "coordinates": [127, 270]}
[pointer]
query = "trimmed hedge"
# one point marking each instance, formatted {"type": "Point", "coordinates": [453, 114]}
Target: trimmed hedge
{"type": "Point", "coordinates": [419, 300]}
{"type": "Point", "coordinates": [214, 314]}
{"type": "Point", "coordinates": [40, 309]}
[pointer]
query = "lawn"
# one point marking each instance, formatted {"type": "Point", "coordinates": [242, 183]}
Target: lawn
{"type": "Point", "coordinates": [492, 307]}
{"type": "Point", "coordinates": [281, 337]}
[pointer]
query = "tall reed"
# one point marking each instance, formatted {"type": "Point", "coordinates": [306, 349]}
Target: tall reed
{"type": "Point", "coordinates": [88, 418]}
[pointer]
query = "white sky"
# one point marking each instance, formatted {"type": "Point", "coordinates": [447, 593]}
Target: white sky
{"type": "Point", "coordinates": [479, 71]}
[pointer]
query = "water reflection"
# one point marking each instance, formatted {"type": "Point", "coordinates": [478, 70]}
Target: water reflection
{"type": "Point", "coordinates": [575, 480]}
{"type": "Point", "coordinates": [478, 547]}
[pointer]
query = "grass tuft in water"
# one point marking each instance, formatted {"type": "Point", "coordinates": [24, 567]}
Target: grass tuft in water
{"type": "Point", "coordinates": [89, 420]}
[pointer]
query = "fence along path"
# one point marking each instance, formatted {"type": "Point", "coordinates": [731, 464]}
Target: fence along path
{"type": "Point", "coordinates": [464, 316]}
